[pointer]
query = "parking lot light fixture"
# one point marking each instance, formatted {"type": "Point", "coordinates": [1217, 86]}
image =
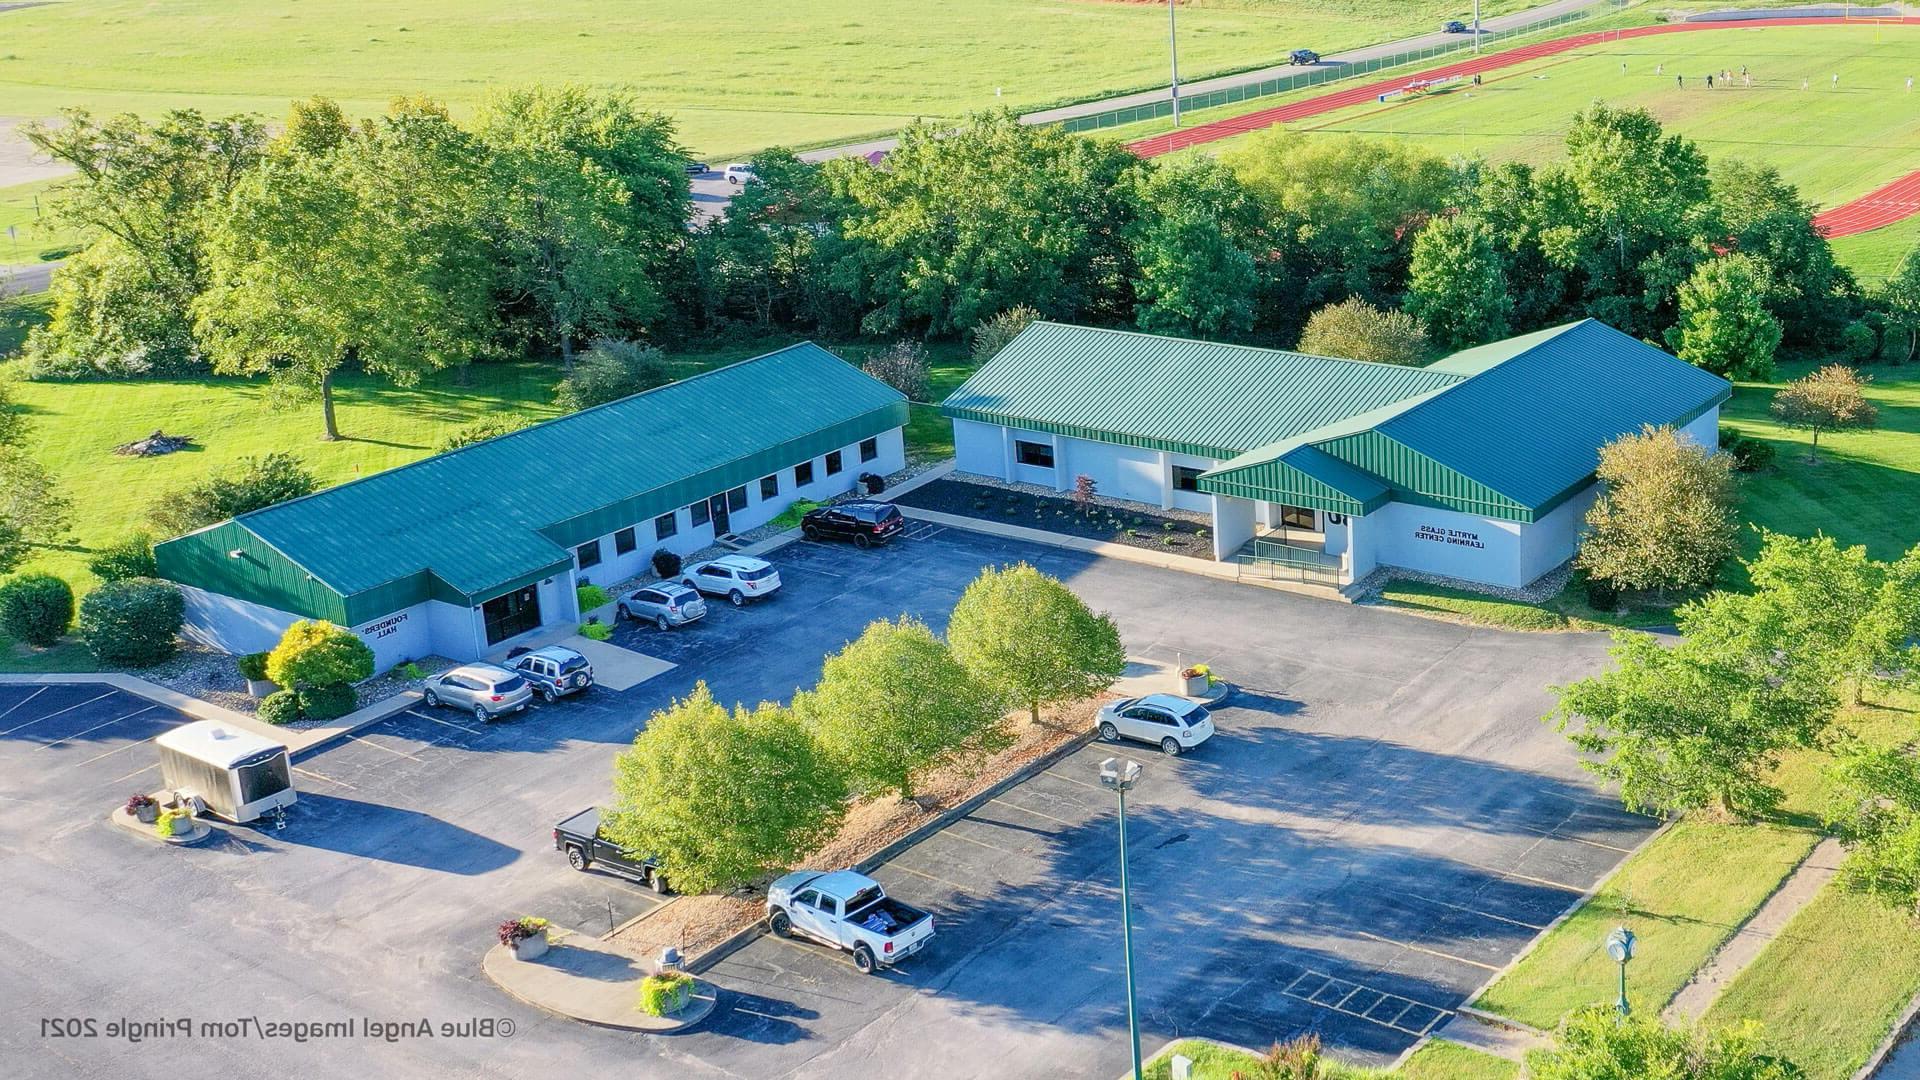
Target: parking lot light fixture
{"type": "Point", "coordinates": [1620, 946]}
{"type": "Point", "coordinates": [1121, 777]}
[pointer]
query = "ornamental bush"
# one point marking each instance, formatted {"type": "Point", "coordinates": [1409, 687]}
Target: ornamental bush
{"type": "Point", "coordinates": [609, 371]}
{"type": "Point", "coordinates": [279, 707]}
{"type": "Point", "coordinates": [318, 653]}
{"type": "Point", "coordinates": [901, 365]}
{"type": "Point", "coordinates": [251, 483]}
{"type": "Point", "coordinates": [326, 702]}
{"type": "Point", "coordinates": [132, 622]}
{"type": "Point", "coordinates": [253, 665]}
{"type": "Point", "coordinates": [35, 608]}
{"type": "Point", "coordinates": [130, 556]}
{"type": "Point", "coordinates": [666, 563]}
{"type": "Point", "coordinates": [666, 993]}
{"type": "Point", "coordinates": [590, 597]}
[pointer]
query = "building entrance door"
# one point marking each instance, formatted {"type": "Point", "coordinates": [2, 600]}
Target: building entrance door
{"type": "Point", "coordinates": [514, 613]}
{"type": "Point", "coordinates": [717, 506]}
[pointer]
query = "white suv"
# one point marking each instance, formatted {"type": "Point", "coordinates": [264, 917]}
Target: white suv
{"type": "Point", "coordinates": [739, 578]}
{"type": "Point", "coordinates": [740, 173]}
{"type": "Point", "coordinates": [1175, 724]}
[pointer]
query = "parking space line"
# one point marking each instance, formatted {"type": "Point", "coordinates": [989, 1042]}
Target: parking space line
{"type": "Point", "coordinates": [36, 693]}
{"type": "Point", "coordinates": [1407, 1004]}
{"type": "Point", "coordinates": [324, 778]}
{"type": "Point", "coordinates": [136, 772]}
{"type": "Point", "coordinates": [1036, 813]}
{"type": "Point", "coordinates": [449, 723]}
{"type": "Point", "coordinates": [1561, 885]}
{"type": "Point", "coordinates": [1476, 911]}
{"type": "Point", "coordinates": [57, 712]}
{"type": "Point", "coordinates": [948, 833]}
{"type": "Point", "coordinates": [1424, 949]}
{"type": "Point", "coordinates": [388, 749]}
{"type": "Point", "coordinates": [1070, 779]}
{"type": "Point", "coordinates": [922, 873]}
{"type": "Point", "coordinates": [75, 735]}
{"type": "Point", "coordinates": [116, 750]}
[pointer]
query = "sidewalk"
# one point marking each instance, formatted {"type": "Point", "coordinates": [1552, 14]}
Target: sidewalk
{"type": "Point", "coordinates": [594, 981]}
{"type": "Point", "coordinates": [1745, 945]}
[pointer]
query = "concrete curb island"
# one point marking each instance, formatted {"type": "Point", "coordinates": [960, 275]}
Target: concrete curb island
{"type": "Point", "coordinates": [577, 981]}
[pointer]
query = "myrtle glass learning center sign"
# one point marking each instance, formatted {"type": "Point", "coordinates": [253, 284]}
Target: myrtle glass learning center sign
{"type": "Point", "coordinates": [1439, 535]}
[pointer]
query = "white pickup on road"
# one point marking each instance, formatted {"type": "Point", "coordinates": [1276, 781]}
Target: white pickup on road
{"type": "Point", "coordinates": [850, 912]}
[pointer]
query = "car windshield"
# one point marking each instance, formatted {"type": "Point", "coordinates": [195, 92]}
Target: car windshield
{"type": "Point", "coordinates": [510, 685]}
{"type": "Point", "coordinates": [756, 575]}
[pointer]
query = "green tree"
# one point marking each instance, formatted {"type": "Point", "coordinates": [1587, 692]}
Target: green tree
{"type": "Point", "coordinates": [316, 126]}
{"type": "Point", "coordinates": [33, 512]}
{"type": "Point", "coordinates": [1193, 242]}
{"type": "Point", "coordinates": [764, 260]}
{"type": "Point", "coordinates": [318, 653]}
{"type": "Point", "coordinates": [1874, 808]}
{"type": "Point", "coordinates": [1030, 640]}
{"type": "Point", "coordinates": [1899, 298]}
{"type": "Point", "coordinates": [1764, 217]}
{"type": "Point", "coordinates": [722, 798]}
{"type": "Point", "coordinates": [35, 608]}
{"type": "Point", "coordinates": [1665, 518]}
{"type": "Point", "coordinates": [996, 332]}
{"type": "Point", "coordinates": [130, 556]}
{"type": "Point", "coordinates": [894, 703]}
{"type": "Point", "coordinates": [1724, 323]}
{"type": "Point", "coordinates": [1509, 201]}
{"type": "Point", "coordinates": [489, 427]}
{"type": "Point", "coordinates": [1831, 399]}
{"type": "Point", "coordinates": [1456, 284]}
{"type": "Point", "coordinates": [371, 254]}
{"type": "Point", "coordinates": [1833, 611]}
{"type": "Point", "coordinates": [1596, 1044]}
{"type": "Point", "coordinates": [251, 483]}
{"type": "Point", "coordinates": [610, 370]}
{"type": "Point", "coordinates": [1356, 330]}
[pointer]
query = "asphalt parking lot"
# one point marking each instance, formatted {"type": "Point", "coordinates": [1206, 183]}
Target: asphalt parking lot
{"type": "Point", "coordinates": [1381, 820]}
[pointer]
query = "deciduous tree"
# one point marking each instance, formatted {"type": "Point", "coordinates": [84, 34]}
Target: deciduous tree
{"type": "Point", "coordinates": [1028, 638]}
{"type": "Point", "coordinates": [1899, 298]}
{"type": "Point", "coordinates": [251, 483]}
{"type": "Point", "coordinates": [1724, 324]}
{"type": "Point", "coordinates": [32, 510]}
{"type": "Point", "coordinates": [1356, 330]}
{"type": "Point", "coordinates": [1194, 241]}
{"type": "Point", "coordinates": [1831, 399]}
{"type": "Point", "coordinates": [1875, 810]}
{"type": "Point", "coordinates": [610, 370]}
{"type": "Point", "coordinates": [1456, 284]}
{"type": "Point", "coordinates": [1665, 518]}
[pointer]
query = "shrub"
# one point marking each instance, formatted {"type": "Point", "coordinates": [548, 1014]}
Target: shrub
{"type": "Point", "coordinates": [35, 608]}
{"type": "Point", "coordinates": [279, 707]}
{"type": "Point", "coordinates": [318, 653]}
{"type": "Point", "coordinates": [130, 556]}
{"type": "Point", "coordinates": [1602, 595]}
{"type": "Point", "coordinates": [517, 930]}
{"type": "Point", "coordinates": [790, 517]}
{"type": "Point", "coordinates": [595, 630]}
{"type": "Point", "coordinates": [609, 371]}
{"type": "Point", "coordinates": [252, 483]}
{"type": "Point", "coordinates": [491, 427]}
{"type": "Point", "coordinates": [590, 597]}
{"type": "Point", "coordinates": [132, 622]}
{"type": "Point", "coordinates": [666, 993]}
{"type": "Point", "coordinates": [665, 563]}
{"type": "Point", "coordinates": [327, 702]}
{"type": "Point", "coordinates": [253, 666]}
{"type": "Point", "coordinates": [901, 365]}
{"type": "Point", "coordinates": [992, 334]}
{"type": "Point", "coordinates": [410, 670]}
{"type": "Point", "coordinates": [1749, 454]}
{"type": "Point", "coordinates": [1356, 330]}
{"type": "Point", "coordinates": [139, 801]}
{"type": "Point", "coordinates": [1858, 342]}
{"type": "Point", "coordinates": [170, 822]}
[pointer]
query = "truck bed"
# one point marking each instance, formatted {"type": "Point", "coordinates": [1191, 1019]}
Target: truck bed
{"type": "Point", "coordinates": [886, 917]}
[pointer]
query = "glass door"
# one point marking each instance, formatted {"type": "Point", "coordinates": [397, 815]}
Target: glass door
{"type": "Point", "coordinates": [514, 613]}
{"type": "Point", "coordinates": [717, 506]}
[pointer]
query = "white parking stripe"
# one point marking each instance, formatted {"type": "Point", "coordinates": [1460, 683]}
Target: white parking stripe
{"type": "Point", "coordinates": [1424, 949]}
{"type": "Point", "coordinates": [116, 750]}
{"type": "Point", "coordinates": [1036, 813]}
{"type": "Point", "coordinates": [449, 723]}
{"type": "Point", "coordinates": [377, 746]}
{"type": "Point", "coordinates": [51, 715]}
{"type": "Point", "coordinates": [36, 693]}
{"type": "Point", "coordinates": [1476, 911]}
{"type": "Point", "coordinates": [324, 778]}
{"type": "Point", "coordinates": [956, 886]}
{"type": "Point", "coordinates": [94, 728]}
{"type": "Point", "coordinates": [136, 772]}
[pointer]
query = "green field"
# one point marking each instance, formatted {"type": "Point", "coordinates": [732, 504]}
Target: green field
{"type": "Point", "coordinates": [737, 76]}
{"type": "Point", "coordinates": [23, 212]}
{"type": "Point", "coordinates": [1874, 256]}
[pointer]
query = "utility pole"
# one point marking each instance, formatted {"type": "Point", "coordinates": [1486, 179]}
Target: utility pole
{"type": "Point", "coordinates": [1120, 779]}
{"type": "Point", "coordinates": [1173, 53]}
{"type": "Point", "coordinates": [1476, 25]}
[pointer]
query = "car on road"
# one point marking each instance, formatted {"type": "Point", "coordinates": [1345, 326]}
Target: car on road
{"type": "Point", "coordinates": [1301, 57]}
{"type": "Point", "coordinates": [739, 578]}
{"type": "Point", "coordinates": [1174, 724]}
{"type": "Point", "coordinates": [740, 173]}
{"type": "Point", "coordinates": [665, 604]}
{"type": "Point", "coordinates": [489, 690]}
{"type": "Point", "coordinates": [850, 912]}
{"type": "Point", "coordinates": [864, 523]}
{"type": "Point", "coordinates": [1453, 26]}
{"type": "Point", "coordinates": [554, 671]}
{"type": "Point", "coordinates": [698, 168]}
{"type": "Point", "coordinates": [579, 836]}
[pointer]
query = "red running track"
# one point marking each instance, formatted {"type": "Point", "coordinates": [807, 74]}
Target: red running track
{"type": "Point", "coordinates": [1894, 202]}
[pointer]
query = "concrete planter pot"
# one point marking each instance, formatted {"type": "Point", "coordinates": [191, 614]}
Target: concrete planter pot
{"type": "Point", "coordinates": [1195, 686]}
{"type": "Point", "coordinates": [260, 688]}
{"type": "Point", "coordinates": [532, 948]}
{"type": "Point", "coordinates": [148, 814]}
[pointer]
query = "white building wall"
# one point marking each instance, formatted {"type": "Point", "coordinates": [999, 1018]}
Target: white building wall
{"type": "Point", "coordinates": [1552, 540]}
{"type": "Point", "coordinates": [1704, 429]}
{"type": "Point", "coordinates": [1232, 525]}
{"type": "Point", "coordinates": [1118, 472]}
{"type": "Point", "coordinates": [979, 448]}
{"type": "Point", "coordinates": [241, 626]}
{"type": "Point", "coordinates": [457, 633]}
{"type": "Point", "coordinates": [1448, 542]}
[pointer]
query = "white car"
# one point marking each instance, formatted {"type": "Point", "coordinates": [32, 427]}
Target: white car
{"type": "Point", "coordinates": [740, 173]}
{"type": "Point", "coordinates": [739, 578]}
{"type": "Point", "coordinates": [1173, 723]}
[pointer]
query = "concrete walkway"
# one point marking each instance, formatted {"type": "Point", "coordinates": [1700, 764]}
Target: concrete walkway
{"type": "Point", "coordinates": [584, 978]}
{"type": "Point", "coordinates": [1498, 1040]}
{"type": "Point", "coordinates": [1747, 942]}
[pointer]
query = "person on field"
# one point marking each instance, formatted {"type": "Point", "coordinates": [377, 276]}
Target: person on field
{"type": "Point", "coordinates": [1709, 80]}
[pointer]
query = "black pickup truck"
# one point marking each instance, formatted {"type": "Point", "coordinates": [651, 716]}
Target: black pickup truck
{"type": "Point", "coordinates": [579, 836]}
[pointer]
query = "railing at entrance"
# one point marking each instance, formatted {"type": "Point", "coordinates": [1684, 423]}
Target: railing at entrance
{"type": "Point", "coordinates": [1277, 560]}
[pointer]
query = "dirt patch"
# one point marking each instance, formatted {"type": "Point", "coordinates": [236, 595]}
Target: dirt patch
{"type": "Point", "coordinates": [694, 924]}
{"type": "Point", "coordinates": [154, 445]}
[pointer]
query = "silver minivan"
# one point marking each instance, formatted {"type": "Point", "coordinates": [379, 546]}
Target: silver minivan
{"type": "Point", "coordinates": [488, 689]}
{"type": "Point", "coordinates": [665, 604]}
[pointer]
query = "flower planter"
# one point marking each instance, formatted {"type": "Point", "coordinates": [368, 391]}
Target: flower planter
{"type": "Point", "coordinates": [260, 688]}
{"type": "Point", "coordinates": [147, 814]}
{"type": "Point", "coordinates": [531, 948]}
{"type": "Point", "coordinates": [1194, 686]}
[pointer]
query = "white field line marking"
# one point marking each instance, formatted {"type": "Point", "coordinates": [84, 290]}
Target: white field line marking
{"type": "Point", "coordinates": [1036, 813]}
{"type": "Point", "coordinates": [57, 712]}
{"type": "Point", "coordinates": [94, 728]}
{"type": "Point", "coordinates": [1424, 949]}
{"type": "Point", "coordinates": [37, 691]}
{"type": "Point", "coordinates": [136, 772]}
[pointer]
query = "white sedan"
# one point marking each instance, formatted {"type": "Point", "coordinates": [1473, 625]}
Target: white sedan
{"type": "Point", "coordinates": [739, 578]}
{"type": "Point", "coordinates": [1173, 723]}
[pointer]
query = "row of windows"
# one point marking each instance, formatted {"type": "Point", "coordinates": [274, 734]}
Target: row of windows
{"type": "Point", "coordinates": [701, 513]}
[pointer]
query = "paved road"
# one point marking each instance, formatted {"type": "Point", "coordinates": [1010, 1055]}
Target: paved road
{"type": "Point", "coordinates": [1381, 769]}
{"type": "Point", "coordinates": [26, 277]}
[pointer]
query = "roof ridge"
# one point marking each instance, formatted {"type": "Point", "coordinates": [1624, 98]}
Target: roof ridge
{"type": "Point", "coordinates": [1118, 332]}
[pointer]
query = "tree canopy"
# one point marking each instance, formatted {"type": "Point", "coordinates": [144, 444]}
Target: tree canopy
{"type": "Point", "coordinates": [1664, 518]}
{"type": "Point", "coordinates": [1834, 398]}
{"type": "Point", "coordinates": [1031, 641]}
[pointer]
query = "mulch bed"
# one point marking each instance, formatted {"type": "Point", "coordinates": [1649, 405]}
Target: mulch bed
{"type": "Point", "coordinates": [1136, 528]}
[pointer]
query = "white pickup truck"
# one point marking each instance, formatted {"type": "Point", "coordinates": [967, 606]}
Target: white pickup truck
{"type": "Point", "coordinates": [850, 912]}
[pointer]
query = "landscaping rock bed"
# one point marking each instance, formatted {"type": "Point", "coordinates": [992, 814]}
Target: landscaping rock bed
{"type": "Point", "coordinates": [1177, 531]}
{"type": "Point", "coordinates": [211, 676]}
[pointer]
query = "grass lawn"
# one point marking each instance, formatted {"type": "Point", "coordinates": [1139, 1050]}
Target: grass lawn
{"type": "Point", "coordinates": [22, 209]}
{"type": "Point", "coordinates": [1434, 1061]}
{"type": "Point", "coordinates": [1439, 1060]}
{"type": "Point", "coordinates": [1567, 611]}
{"type": "Point", "coordinates": [1874, 256]}
{"type": "Point", "coordinates": [736, 77]}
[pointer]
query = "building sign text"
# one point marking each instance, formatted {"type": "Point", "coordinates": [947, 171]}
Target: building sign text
{"type": "Point", "coordinates": [1448, 536]}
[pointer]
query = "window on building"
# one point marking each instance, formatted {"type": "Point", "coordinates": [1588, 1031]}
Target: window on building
{"type": "Point", "coordinates": [769, 487]}
{"type": "Point", "coordinates": [700, 514]}
{"type": "Point", "coordinates": [1037, 454]}
{"type": "Point", "coordinates": [737, 499]}
{"type": "Point", "coordinates": [1185, 479]}
{"type": "Point", "coordinates": [664, 526]}
{"type": "Point", "coordinates": [588, 554]}
{"type": "Point", "coordinates": [869, 449]}
{"type": "Point", "coordinates": [803, 474]}
{"type": "Point", "coordinates": [833, 462]}
{"type": "Point", "coordinates": [624, 542]}
{"type": "Point", "coordinates": [1297, 517]}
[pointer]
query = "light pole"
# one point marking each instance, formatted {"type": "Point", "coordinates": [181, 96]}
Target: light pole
{"type": "Point", "coordinates": [1476, 25]}
{"type": "Point", "coordinates": [1120, 777]}
{"type": "Point", "coordinates": [1620, 947]}
{"type": "Point", "coordinates": [1173, 53]}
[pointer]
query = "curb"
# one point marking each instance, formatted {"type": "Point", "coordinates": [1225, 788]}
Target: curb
{"type": "Point", "coordinates": [202, 832]}
{"type": "Point", "coordinates": [1892, 1042]}
{"type": "Point", "coordinates": [1498, 1021]}
{"type": "Point", "coordinates": [706, 997]}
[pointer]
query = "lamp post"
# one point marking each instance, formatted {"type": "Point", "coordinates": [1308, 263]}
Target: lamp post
{"type": "Point", "coordinates": [1120, 777]}
{"type": "Point", "coordinates": [1173, 54]}
{"type": "Point", "coordinates": [1620, 947]}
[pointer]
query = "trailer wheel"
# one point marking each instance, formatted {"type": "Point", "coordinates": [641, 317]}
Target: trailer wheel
{"type": "Point", "coordinates": [576, 858]}
{"type": "Point", "coordinates": [863, 960]}
{"type": "Point", "coordinates": [780, 924]}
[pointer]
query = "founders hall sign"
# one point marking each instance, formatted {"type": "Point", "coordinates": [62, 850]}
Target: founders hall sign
{"type": "Point", "coordinates": [1448, 536]}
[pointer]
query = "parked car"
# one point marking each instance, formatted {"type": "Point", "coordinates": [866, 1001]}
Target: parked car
{"type": "Point", "coordinates": [739, 578]}
{"type": "Point", "coordinates": [850, 912]}
{"type": "Point", "coordinates": [1303, 56]}
{"type": "Point", "coordinates": [740, 173]}
{"type": "Point", "coordinates": [698, 168]}
{"type": "Point", "coordinates": [665, 604]}
{"type": "Point", "coordinates": [864, 523]}
{"type": "Point", "coordinates": [488, 689]}
{"type": "Point", "coordinates": [579, 836]}
{"type": "Point", "coordinates": [1173, 723]}
{"type": "Point", "coordinates": [1453, 26]}
{"type": "Point", "coordinates": [555, 671]}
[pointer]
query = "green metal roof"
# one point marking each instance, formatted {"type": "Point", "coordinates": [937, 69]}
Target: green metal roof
{"type": "Point", "coordinates": [490, 517]}
{"type": "Point", "coordinates": [1191, 397]}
